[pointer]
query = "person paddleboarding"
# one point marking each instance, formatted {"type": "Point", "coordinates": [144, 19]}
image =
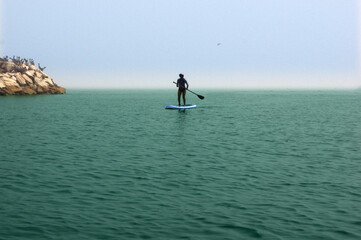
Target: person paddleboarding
{"type": "Point", "coordinates": [181, 85]}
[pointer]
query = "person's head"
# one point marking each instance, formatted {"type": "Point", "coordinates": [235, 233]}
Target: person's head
{"type": "Point", "coordinates": [181, 75]}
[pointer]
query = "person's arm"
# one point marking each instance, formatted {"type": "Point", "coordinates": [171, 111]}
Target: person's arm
{"type": "Point", "coordinates": [186, 83]}
{"type": "Point", "coordinates": [177, 83]}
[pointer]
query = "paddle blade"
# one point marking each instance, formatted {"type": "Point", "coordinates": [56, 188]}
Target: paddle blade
{"type": "Point", "coordinates": [201, 97]}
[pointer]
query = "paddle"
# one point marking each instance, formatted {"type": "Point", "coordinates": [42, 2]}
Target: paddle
{"type": "Point", "coordinates": [200, 96]}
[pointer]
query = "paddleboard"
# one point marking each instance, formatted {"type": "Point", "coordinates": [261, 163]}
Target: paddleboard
{"type": "Point", "coordinates": [180, 107]}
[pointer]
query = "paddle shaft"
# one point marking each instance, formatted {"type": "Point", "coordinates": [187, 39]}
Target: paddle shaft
{"type": "Point", "coordinates": [201, 97]}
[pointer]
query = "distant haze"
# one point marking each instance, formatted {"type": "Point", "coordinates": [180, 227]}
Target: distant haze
{"type": "Point", "coordinates": [359, 38]}
{"type": "Point", "coordinates": [216, 44]}
{"type": "Point", "coordinates": [1, 25]}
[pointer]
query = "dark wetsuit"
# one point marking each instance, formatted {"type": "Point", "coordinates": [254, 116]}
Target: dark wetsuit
{"type": "Point", "coordinates": [181, 83]}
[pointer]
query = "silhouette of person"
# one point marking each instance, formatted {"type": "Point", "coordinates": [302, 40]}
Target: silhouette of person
{"type": "Point", "coordinates": [181, 84]}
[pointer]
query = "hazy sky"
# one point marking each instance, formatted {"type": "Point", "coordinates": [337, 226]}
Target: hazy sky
{"type": "Point", "coordinates": [215, 43]}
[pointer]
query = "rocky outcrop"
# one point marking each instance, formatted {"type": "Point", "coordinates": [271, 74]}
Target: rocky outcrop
{"type": "Point", "coordinates": [22, 77]}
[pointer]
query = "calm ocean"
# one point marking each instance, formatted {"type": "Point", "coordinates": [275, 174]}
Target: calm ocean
{"type": "Point", "coordinates": [242, 165]}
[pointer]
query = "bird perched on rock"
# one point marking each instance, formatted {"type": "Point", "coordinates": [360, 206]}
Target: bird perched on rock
{"type": "Point", "coordinates": [41, 69]}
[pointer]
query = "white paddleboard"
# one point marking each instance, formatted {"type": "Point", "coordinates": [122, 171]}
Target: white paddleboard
{"type": "Point", "coordinates": [180, 107]}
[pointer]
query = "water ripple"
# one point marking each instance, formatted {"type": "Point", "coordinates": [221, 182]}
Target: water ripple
{"type": "Point", "coordinates": [277, 166]}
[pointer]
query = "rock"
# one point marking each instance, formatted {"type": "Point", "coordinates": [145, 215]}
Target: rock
{"type": "Point", "coordinates": [61, 90]}
{"type": "Point", "coordinates": [37, 80]}
{"type": "Point", "coordinates": [49, 81]}
{"type": "Point", "coordinates": [19, 79]}
{"type": "Point", "coordinates": [25, 67]}
{"type": "Point", "coordinates": [2, 83]}
{"type": "Point", "coordinates": [33, 67]}
{"type": "Point", "coordinates": [11, 91]}
{"type": "Point", "coordinates": [57, 90]}
{"type": "Point", "coordinates": [38, 74]}
{"type": "Point", "coordinates": [29, 91]}
{"type": "Point", "coordinates": [43, 84]}
{"type": "Point", "coordinates": [10, 82]}
{"type": "Point", "coordinates": [44, 74]}
{"type": "Point", "coordinates": [11, 67]}
{"type": "Point", "coordinates": [8, 66]}
{"type": "Point", "coordinates": [30, 73]}
{"type": "Point", "coordinates": [27, 79]}
{"type": "Point", "coordinates": [40, 89]}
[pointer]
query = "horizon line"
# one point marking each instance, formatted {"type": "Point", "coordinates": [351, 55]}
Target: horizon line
{"type": "Point", "coordinates": [225, 88]}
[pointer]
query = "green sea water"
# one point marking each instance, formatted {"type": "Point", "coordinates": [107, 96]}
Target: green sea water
{"type": "Point", "coordinates": [242, 165]}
